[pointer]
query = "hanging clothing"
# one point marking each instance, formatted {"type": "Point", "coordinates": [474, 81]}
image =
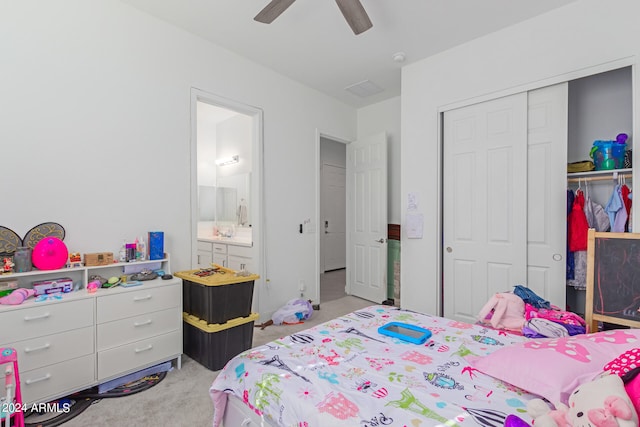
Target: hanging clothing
{"type": "Point", "coordinates": [620, 221]}
{"type": "Point", "coordinates": [626, 200]}
{"type": "Point", "coordinates": [579, 280]}
{"type": "Point", "coordinates": [630, 220]}
{"type": "Point", "coordinates": [578, 226]}
{"type": "Point", "coordinates": [614, 205]}
{"type": "Point", "coordinates": [625, 192]}
{"type": "Point", "coordinates": [570, 259]}
{"type": "Point", "coordinates": [597, 218]}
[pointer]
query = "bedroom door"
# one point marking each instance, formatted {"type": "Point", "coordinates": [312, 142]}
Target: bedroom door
{"type": "Point", "coordinates": [484, 202]}
{"type": "Point", "coordinates": [367, 218]}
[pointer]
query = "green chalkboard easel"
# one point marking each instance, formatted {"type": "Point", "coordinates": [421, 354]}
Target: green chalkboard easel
{"type": "Point", "coordinates": [613, 279]}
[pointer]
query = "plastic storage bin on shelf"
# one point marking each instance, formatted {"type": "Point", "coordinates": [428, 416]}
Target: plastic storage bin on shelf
{"type": "Point", "coordinates": [218, 297]}
{"type": "Point", "coordinates": [213, 345]}
{"type": "Point", "coordinates": [608, 155]}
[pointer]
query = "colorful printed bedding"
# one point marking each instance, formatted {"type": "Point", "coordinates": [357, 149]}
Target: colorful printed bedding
{"type": "Point", "coordinates": [344, 373]}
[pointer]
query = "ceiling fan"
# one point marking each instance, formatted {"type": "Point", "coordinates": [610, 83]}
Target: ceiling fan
{"type": "Point", "coordinates": [352, 10]}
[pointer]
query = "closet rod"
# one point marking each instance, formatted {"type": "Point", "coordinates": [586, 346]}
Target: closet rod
{"type": "Point", "coordinates": [599, 178]}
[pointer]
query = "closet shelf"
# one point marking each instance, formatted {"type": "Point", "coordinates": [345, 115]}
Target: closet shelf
{"type": "Point", "coordinates": [599, 175]}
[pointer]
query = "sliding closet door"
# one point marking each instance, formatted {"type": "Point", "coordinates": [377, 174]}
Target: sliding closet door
{"type": "Point", "coordinates": [546, 192]}
{"type": "Point", "coordinates": [484, 202]}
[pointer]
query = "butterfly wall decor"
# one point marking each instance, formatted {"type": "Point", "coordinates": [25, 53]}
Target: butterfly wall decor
{"type": "Point", "coordinates": [10, 240]}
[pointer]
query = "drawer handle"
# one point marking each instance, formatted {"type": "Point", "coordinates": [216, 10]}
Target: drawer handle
{"type": "Point", "coordinates": [42, 347]}
{"type": "Point", "coordinates": [142, 298]}
{"type": "Point", "coordinates": [136, 324]}
{"type": "Point", "coordinates": [42, 316]}
{"type": "Point", "coordinates": [37, 380]}
{"type": "Point", "coordinates": [147, 348]}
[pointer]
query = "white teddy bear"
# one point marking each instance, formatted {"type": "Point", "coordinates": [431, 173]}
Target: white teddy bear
{"type": "Point", "coordinates": [602, 402]}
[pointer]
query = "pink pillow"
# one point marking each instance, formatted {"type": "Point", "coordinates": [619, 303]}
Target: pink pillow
{"type": "Point", "coordinates": [553, 368]}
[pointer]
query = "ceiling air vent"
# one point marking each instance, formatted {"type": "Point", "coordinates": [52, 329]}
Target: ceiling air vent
{"type": "Point", "coordinates": [364, 88]}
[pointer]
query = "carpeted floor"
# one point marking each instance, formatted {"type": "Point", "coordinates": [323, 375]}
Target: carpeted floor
{"type": "Point", "coordinates": [182, 398]}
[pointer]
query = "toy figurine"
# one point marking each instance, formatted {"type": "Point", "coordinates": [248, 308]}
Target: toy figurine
{"type": "Point", "coordinates": [8, 265]}
{"type": "Point", "coordinates": [93, 286]}
{"type": "Point", "coordinates": [75, 260]}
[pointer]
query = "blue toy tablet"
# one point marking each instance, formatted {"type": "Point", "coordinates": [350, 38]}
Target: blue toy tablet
{"type": "Point", "coordinates": [405, 332]}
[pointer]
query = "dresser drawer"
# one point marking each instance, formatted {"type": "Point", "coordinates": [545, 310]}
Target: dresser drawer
{"type": "Point", "coordinates": [131, 357]}
{"type": "Point", "coordinates": [46, 319]}
{"type": "Point", "coordinates": [119, 332]}
{"type": "Point", "coordinates": [38, 352]}
{"type": "Point", "coordinates": [57, 379]}
{"type": "Point", "coordinates": [134, 303]}
{"type": "Point", "coordinates": [205, 246]}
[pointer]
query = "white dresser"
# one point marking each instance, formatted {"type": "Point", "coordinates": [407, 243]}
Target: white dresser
{"type": "Point", "coordinates": [86, 339]}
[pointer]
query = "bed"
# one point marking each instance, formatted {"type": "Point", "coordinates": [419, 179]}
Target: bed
{"type": "Point", "coordinates": [344, 373]}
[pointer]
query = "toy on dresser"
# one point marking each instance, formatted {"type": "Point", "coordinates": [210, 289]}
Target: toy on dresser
{"type": "Point", "coordinates": [17, 297]}
{"type": "Point", "coordinates": [7, 265]}
{"type": "Point", "coordinates": [11, 401]}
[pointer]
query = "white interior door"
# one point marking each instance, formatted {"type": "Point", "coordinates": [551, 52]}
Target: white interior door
{"type": "Point", "coordinates": [367, 218]}
{"type": "Point", "coordinates": [484, 202]}
{"type": "Point", "coordinates": [547, 197]}
{"type": "Point", "coordinates": [334, 217]}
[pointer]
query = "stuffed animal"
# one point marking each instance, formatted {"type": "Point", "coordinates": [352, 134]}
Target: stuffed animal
{"type": "Point", "coordinates": [602, 402]}
{"type": "Point", "coordinates": [508, 311]}
{"type": "Point", "coordinates": [627, 367]}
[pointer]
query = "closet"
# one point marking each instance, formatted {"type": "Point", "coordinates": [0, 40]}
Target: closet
{"type": "Point", "coordinates": [600, 108]}
{"type": "Point", "coordinates": [505, 187]}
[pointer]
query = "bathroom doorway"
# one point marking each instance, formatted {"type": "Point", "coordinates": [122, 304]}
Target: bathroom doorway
{"type": "Point", "coordinates": [226, 192]}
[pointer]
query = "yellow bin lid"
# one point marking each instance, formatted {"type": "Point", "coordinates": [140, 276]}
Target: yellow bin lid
{"type": "Point", "coordinates": [217, 327]}
{"type": "Point", "coordinates": [223, 276]}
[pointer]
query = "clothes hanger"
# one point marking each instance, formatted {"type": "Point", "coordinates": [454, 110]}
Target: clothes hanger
{"type": "Point", "coordinates": [586, 187]}
{"type": "Point", "coordinates": [579, 185]}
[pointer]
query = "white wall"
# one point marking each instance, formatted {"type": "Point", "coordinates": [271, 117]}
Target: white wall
{"type": "Point", "coordinates": [235, 136]}
{"type": "Point", "coordinates": [376, 118]}
{"type": "Point", "coordinates": [95, 113]}
{"type": "Point", "coordinates": [580, 38]}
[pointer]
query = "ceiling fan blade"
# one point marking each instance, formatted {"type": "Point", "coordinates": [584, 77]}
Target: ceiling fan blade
{"type": "Point", "coordinates": [355, 15]}
{"type": "Point", "coordinates": [273, 10]}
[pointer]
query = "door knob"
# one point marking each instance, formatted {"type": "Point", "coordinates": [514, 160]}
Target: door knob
{"type": "Point", "coordinates": [380, 240]}
{"type": "Point", "coordinates": [449, 249]}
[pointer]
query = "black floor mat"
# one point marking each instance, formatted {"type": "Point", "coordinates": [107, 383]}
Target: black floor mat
{"type": "Point", "coordinates": [129, 388]}
{"type": "Point", "coordinates": [60, 411]}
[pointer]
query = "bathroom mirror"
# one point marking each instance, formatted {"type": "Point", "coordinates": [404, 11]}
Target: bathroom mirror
{"type": "Point", "coordinates": [226, 204]}
{"type": "Point", "coordinates": [224, 165]}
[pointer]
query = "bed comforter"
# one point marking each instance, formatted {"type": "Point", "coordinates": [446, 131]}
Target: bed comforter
{"type": "Point", "coordinates": [344, 373]}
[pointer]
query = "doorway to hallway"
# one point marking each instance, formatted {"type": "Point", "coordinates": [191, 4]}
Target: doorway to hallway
{"type": "Point", "coordinates": [333, 215]}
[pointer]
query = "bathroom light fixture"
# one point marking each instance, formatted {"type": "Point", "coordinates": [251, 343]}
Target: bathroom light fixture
{"type": "Point", "coordinates": [228, 160]}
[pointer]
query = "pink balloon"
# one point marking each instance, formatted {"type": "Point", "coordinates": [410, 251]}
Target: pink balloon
{"type": "Point", "coordinates": [49, 253]}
